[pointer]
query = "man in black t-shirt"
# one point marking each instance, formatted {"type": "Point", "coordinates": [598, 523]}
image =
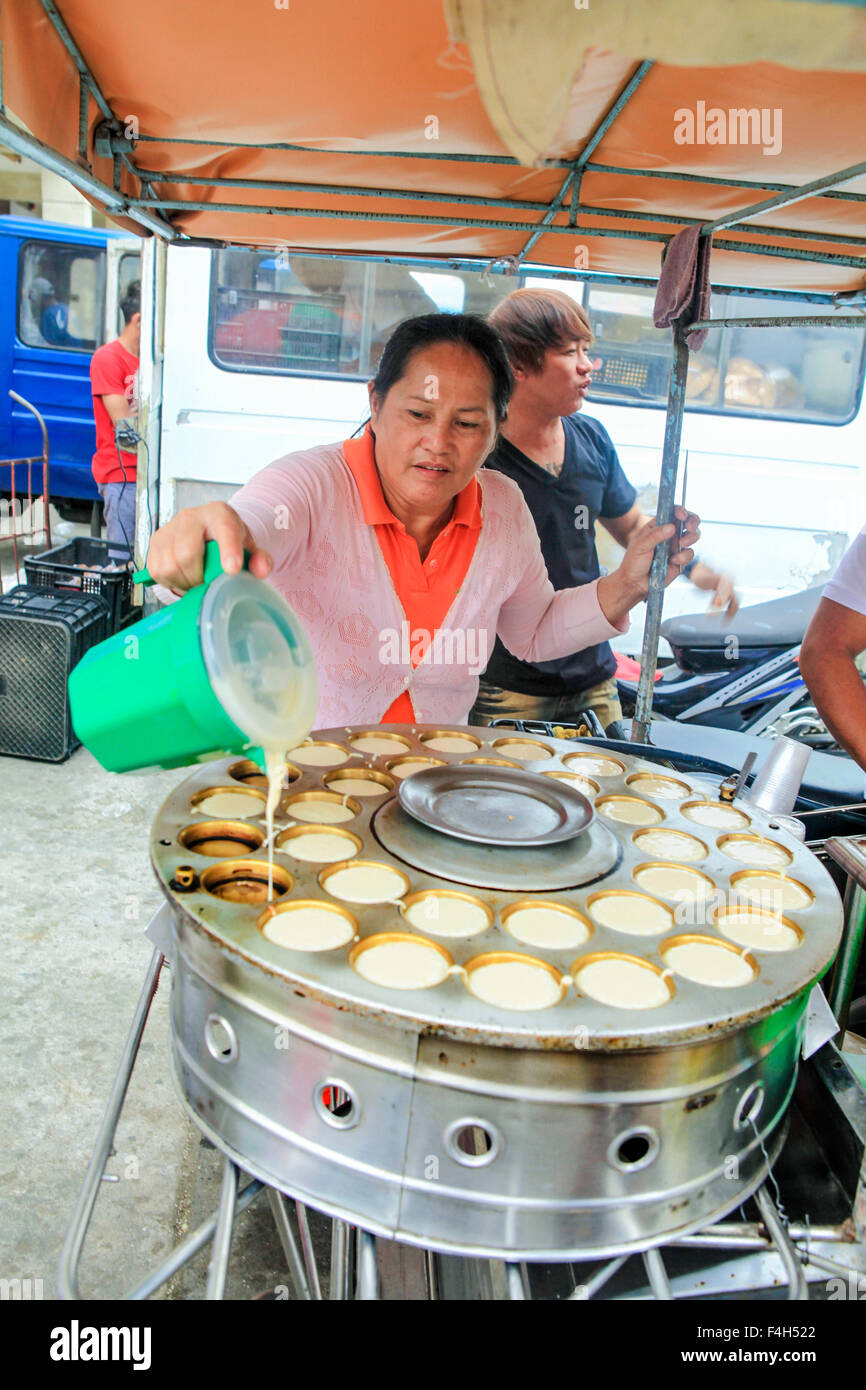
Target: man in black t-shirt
{"type": "Point", "coordinates": [566, 467]}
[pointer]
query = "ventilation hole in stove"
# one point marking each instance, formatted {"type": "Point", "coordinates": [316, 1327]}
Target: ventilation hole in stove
{"type": "Point", "coordinates": [220, 1039]}
{"type": "Point", "coordinates": [633, 1150]}
{"type": "Point", "coordinates": [473, 1143]}
{"type": "Point", "coordinates": [336, 1104]}
{"type": "Point", "coordinates": [749, 1106]}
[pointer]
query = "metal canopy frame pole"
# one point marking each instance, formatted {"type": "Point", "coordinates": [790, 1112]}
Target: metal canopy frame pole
{"type": "Point", "coordinates": [664, 513]}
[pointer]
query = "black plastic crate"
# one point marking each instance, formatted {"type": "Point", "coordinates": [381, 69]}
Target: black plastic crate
{"type": "Point", "coordinates": [44, 633]}
{"type": "Point", "coordinates": [74, 566]}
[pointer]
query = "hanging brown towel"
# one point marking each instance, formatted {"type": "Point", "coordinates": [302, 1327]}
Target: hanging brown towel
{"type": "Point", "coordinates": [684, 283]}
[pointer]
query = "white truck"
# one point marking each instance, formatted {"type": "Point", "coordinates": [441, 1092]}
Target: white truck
{"type": "Point", "coordinates": [249, 354]}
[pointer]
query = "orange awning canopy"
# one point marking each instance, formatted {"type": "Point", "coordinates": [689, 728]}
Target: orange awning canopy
{"type": "Point", "coordinates": [465, 129]}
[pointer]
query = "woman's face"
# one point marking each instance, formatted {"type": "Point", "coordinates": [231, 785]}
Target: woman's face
{"type": "Point", "coordinates": [434, 428]}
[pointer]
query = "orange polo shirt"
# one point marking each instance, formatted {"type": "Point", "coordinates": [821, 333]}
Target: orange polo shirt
{"type": "Point", "coordinates": [426, 591]}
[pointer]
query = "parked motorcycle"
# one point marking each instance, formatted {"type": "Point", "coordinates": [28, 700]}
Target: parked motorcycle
{"type": "Point", "coordinates": [741, 675]}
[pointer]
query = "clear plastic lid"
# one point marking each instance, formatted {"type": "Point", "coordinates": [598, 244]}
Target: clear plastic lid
{"type": "Point", "coordinates": [259, 660]}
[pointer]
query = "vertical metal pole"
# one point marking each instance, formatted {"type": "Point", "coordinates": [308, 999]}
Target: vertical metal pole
{"type": "Point", "coordinates": [222, 1241]}
{"type": "Point", "coordinates": [664, 513]}
{"type": "Point", "coordinates": [845, 972]}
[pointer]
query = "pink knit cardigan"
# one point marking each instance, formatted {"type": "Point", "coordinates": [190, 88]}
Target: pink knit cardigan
{"type": "Point", "coordinates": [306, 511]}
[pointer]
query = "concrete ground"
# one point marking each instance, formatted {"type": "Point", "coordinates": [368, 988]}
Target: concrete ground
{"type": "Point", "coordinates": [79, 891]}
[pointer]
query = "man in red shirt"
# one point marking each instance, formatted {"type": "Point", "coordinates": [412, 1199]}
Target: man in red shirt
{"type": "Point", "coordinates": [113, 382]}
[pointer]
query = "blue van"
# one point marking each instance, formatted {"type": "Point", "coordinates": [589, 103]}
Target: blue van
{"type": "Point", "coordinates": [60, 287]}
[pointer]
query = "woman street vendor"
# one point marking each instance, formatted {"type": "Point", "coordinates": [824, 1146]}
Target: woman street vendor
{"type": "Point", "coordinates": [401, 555]}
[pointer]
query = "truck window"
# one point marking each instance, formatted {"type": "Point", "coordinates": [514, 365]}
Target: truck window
{"type": "Point", "coordinates": [282, 313]}
{"type": "Point", "coordinates": [61, 290]}
{"type": "Point", "coordinates": [128, 270]}
{"type": "Point", "coordinates": [806, 374]}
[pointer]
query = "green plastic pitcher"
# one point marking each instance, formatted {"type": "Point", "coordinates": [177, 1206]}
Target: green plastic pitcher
{"type": "Point", "coordinates": [226, 669]}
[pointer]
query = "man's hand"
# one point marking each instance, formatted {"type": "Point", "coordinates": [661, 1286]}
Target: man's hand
{"type": "Point", "coordinates": [176, 554]}
{"type": "Point", "coordinates": [620, 591]}
{"type": "Point", "coordinates": [721, 586]}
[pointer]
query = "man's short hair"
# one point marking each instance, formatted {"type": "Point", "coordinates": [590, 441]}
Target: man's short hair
{"type": "Point", "coordinates": [131, 302]}
{"type": "Point", "coordinates": [531, 321]}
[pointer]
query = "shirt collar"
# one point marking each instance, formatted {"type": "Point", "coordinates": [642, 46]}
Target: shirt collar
{"type": "Point", "coordinates": [360, 456]}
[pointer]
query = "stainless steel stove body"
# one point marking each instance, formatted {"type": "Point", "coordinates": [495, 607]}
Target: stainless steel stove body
{"type": "Point", "coordinates": [432, 1116]}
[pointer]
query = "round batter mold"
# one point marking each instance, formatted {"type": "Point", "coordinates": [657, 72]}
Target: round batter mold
{"type": "Point", "coordinates": [715, 815]}
{"type": "Point", "coordinates": [364, 782]}
{"type": "Point", "coordinates": [756, 930]}
{"type": "Point", "coordinates": [251, 775]}
{"type": "Point", "coordinates": [775, 892]}
{"type": "Point", "coordinates": [351, 886]}
{"type": "Point", "coordinates": [551, 926]}
{"type": "Point", "coordinates": [244, 882]}
{"type": "Point", "coordinates": [319, 753]}
{"type": "Point", "coordinates": [379, 745]}
{"type": "Point", "coordinates": [308, 924]}
{"type": "Point", "coordinates": [676, 882]}
{"type": "Point", "coordinates": [404, 767]}
{"type": "Point", "coordinates": [583, 784]}
{"type": "Point", "coordinates": [619, 981]}
{"type": "Point", "coordinates": [221, 839]}
{"type": "Point", "coordinates": [319, 844]}
{"type": "Point", "coordinates": [657, 787]}
{"type": "Point", "coordinates": [624, 911]}
{"type": "Point", "coordinates": [325, 808]}
{"type": "Point", "coordinates": [489, 762]}
{"type": "Point", "coordinates": [447, 913]}
{"type": "Point", "coordinates": [249, 800]}
{"type": "Point", "coordinates": [707, 961]}
{"type": "Point", "coordinates": [756, 850]}
{"type": "Point", "coordinates": [518, 748]}
{"type": "Point", "coordinates": [398, 961]}
{"type": "Point", "coordinates": [593, 764]}
{"type": "Point", "coordinates": [673, 845]}
{"type": "Point", "coordinates": [454, 741]}
{"type": "Point", "coordinates": [518, 983]}
{"type": "Point", "coordinates": [630, 810]}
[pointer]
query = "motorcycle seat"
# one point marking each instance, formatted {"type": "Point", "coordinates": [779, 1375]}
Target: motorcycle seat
{"type": "Point", "coordinates": [780, 622]}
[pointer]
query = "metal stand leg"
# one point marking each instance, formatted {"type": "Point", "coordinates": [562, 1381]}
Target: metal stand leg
{"type": "Point", "coordinates": [67, 1274]}
{"type": "Point", "coordinates": [514, 1279]}
{"type": "Point", "coordinates": [194, 1242]}
{"type": "Point", "coordinates": [598, 1280]}
{"type": "Point", "coordinates": [368, 1272]}
{"type": "Point", "coordinates": [657, 1275]}
{"type": "Point", "coordinates": [308, 1252]}
{"type": "Point", "coordinates": [339, 1260]}
{"type": "Point", "coordinates": [799, 1289]}
{"type": "Point", "coordinates": [289, 1244]}
{"type": "Point", "coordinates": [222, 1241]}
